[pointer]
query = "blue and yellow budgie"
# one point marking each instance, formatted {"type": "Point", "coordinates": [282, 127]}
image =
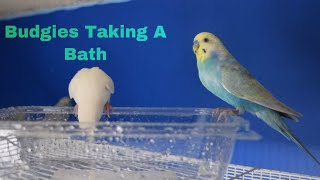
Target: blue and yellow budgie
{"type": "Point", "coordinates": [223, 76]}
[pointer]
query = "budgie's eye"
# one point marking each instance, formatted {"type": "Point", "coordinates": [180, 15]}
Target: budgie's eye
{"type": "Point", "coordinates": [204, 50]}
{"type": "Point", "coordinates": [206, 39]}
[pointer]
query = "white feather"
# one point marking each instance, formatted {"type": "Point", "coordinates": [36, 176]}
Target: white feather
{"type": "Point", "coordinates": [91, 89]}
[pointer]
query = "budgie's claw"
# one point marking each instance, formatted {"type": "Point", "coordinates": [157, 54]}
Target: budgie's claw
{"type": "Point", "coordinates": [107, 109]}
{"type": "Point", "coordinates": [75, 110]}
{"type": "Point", "coordinates": [222, 112]}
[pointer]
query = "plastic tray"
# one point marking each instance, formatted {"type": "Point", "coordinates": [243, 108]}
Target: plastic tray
{"type": "Point", "coordinates": [134, 143]}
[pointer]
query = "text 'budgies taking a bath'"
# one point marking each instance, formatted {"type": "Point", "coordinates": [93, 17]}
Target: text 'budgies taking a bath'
{"type": "Point", "coordinates": [223, 76]}
{"type": "Point", "coordinates": [91, 89]}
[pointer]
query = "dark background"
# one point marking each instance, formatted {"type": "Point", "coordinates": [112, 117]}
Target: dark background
{"type": "Point", "coordinates": [278, 42]}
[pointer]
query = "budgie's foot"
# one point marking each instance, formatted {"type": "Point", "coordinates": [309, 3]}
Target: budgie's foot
{"type": "Point", "coordinates": [107, 109]}
{"type": "Point", "coordinates": [223, 112]}
{"type": "Point", "coordinates": [75, 110]}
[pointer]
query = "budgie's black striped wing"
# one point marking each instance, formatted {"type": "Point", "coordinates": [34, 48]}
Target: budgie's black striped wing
{"type": "Point", "coordinates": [239, 82]}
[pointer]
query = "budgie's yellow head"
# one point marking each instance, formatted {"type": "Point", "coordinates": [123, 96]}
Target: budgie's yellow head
{"type": "Point", "coordinates": [205, 45]}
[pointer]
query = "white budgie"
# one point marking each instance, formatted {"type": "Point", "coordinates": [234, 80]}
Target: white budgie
{"type": "Point", "coordinates": [91, 89]}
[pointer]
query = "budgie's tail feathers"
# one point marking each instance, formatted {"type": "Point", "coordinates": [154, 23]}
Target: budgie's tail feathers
{"type": "Point", "coordinates": [295, 118]}
{"type": "Point", "coordinates": [275, 120]}
{"type": "Point", "coordinates": [299, 143]}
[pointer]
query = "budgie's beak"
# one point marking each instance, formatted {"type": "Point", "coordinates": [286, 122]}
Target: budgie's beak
{"type": "Point", "coordinates": [195, 46]}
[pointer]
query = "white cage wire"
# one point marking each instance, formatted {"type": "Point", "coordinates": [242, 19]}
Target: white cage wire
{"type": "Point", "coordinates": [262, 174]}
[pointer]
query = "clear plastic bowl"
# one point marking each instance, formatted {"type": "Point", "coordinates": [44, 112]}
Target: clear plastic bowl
{"type": "Point", "coordinates": [133, 143]}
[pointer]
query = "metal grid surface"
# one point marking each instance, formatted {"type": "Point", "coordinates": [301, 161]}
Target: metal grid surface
{"type": "Point", "coordinates": [44, 159]}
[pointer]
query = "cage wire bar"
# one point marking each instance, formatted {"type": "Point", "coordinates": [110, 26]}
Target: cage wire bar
{"type": "Point", "coordinates": [262, 174]}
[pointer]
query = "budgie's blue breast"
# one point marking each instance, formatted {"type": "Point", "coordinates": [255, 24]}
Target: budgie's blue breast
{"type": "Point", "coordinates": [210, 77]}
